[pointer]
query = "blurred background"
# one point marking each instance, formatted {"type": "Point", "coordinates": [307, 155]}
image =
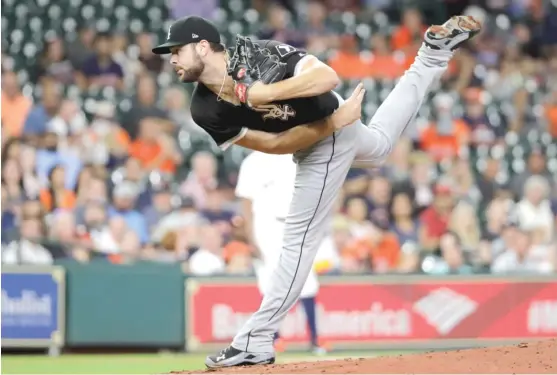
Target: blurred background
{"type": "Point", "coordinates": [104, 171]}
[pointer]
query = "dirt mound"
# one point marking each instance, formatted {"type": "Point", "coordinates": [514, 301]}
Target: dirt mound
{"type": "Point", "coordinates": [533, 357]}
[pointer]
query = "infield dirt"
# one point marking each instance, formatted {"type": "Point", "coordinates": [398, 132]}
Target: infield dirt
{"type": "Point", "coordinates": [527, 358]}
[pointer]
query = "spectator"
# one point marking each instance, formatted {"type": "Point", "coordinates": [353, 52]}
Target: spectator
{"type": "Point", "coordinates": [50, 155]}
{"type": "Point", "coordinates": [534, 210]}
{"type": "Point", "coordinates": [130, 246]}
{"type": "Point", "coordinates": [550, 111]}
{"type": "Point", "coordinates": [379, 196]}
{"type": "Point", "coordinates": [118, 228]}
{"type": "Point", "coordinates": [403, 224]}
{"type": "Point", "coordinates": [105, 142]}
{"type": "Point", "coordinates": [276, 27]}
{"type": "Point", "coordinates": [445, 137]}
{"type": "Point", "coordinates": [80, 49]}
{"type": "Point", "coordinates": [487, 180]}
{"type": "Point", "coordinates": [97, 229]}
{"type": "Point", "coordinates": [357, 213]}
{"type": "Point", "coordinates": [36, 122]}
{"type": "Point", "coordinates": [69, 124]}
{"type": "Point", "coordinates": [184, 216]}
{"type": "Point", "coordinates": [11, 150]}
{"type": "Point", "coordinates": [100, 70]}
{"type": "Point", "coordinates": [151, 63]}
{"type": "Point", "coordinates": [216, 213]}
{"type": "Point", "coordinates": [463, 222]}
{"type": "Point", "coordinates": [202, 177]}
{"type": "Point", "coordinates": [145, 107]}
{"type": "Point", "coordinates": [320, 38]}
{"type": "Point", "coordinates": [208, 259]}
{"type": "Point", "coordinates": [155, 150]}
{"type": "Point", "coordinates": [57, 196]}
{"type": "Point", "coordinates": [492, 243]}
{"type": "Point", "coordinates": [27, 250]}
{"type": "Point", "coordinates": [399, 161]}
{"type": "Point", "coordinates": [177, 105]}
{"type": "Point", "coordinates": [15, 106]}
{"type": "Point", "coordinates": [95, 191]}
{"type": "Point", "coordinates": [435, 219]}
{"type": "Point", "coordinates": [160, 207]}
{"type": "Point", "coordinates": [376, 249]}
{"type": "Point", "coordinates": [418, 186]}
{"type": "Point", "coordinates": [28, 163]}
{"type": "Point", "coordinates": [12, 181]}
{"type": "Point", "coordinates": [9, 220]}
{"type": "Point", "coordinates": [347, 61]}
{"type": "Point", "coordinates": [463, 182]}
{"type": "Point", "coordinates": [536, 166]}
{"type": "Point", "coordinates": [133, 171]}
{"type": "Point", "coordinates": [519, 257]}
{"type": "Point", "coordinates": [124, 197]}
{"type": "Point", "coordinates": [484, 130]}
{"type": "Point", "coordinates": [54, 63]}
{"type": "Point", "coordinates": [86, 175]}
{"type": "Point", "coordinates": [452, 259]}
{"type": "Point", "coordinates": [411, 28]}
{"type": "Point", "coordinates": [131, 67]}
{"type": "Point", "coordinates": [384, 63]}
{"type": "Point", "coordinates": [66, 237]}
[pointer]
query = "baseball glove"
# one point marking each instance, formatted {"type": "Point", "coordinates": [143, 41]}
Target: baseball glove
{"type": "Point", "coordinates": [249, 64]}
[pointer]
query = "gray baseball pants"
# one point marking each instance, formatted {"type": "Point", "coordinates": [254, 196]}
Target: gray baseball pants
{"type": "Point", "coordinates": [321, 171]}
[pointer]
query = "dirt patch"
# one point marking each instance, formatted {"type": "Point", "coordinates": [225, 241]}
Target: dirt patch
{"type": "Point", "coordinates": [527, 358]}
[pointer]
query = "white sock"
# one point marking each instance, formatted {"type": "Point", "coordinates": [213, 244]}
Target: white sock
{"type": "Point", "coordinates": [434, 57]}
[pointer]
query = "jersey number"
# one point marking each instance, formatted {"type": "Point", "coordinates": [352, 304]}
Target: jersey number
{"type": "Point", "coordinates": [285, 49]}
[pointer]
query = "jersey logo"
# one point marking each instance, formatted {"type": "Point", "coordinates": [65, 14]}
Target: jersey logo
{"type": "Point", "coordinates": [276, 111]}
{"type": "Point", "coordinates": [285, 49]}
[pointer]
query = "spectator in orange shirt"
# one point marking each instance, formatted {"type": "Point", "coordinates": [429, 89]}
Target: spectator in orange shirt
{"type": "Point", "coordinates": [57, 196]}
{"type": "Point", "coordinates": [378, 248]}
{"type": "Point", "coordinates": [15, 106]}
{"type": "Point", "coordinates": [385, 64]}
{"type": "Point", "coordinates": [551, 115]}
{"type": "Point", "coordinates": [347, 61]}
{"type": "Point", "coordinates": [411, 29]}
{"type": "Point", "coordinates": [154, 149]}
{"type": "Point", "coordinates": [444, 138]}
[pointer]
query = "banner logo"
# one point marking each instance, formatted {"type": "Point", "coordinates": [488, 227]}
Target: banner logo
{"type": "Point", "coordinates": [444, 309]}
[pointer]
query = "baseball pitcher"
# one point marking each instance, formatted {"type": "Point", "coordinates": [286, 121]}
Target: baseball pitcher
{"type": "Point", "coordinates": [271, 97]}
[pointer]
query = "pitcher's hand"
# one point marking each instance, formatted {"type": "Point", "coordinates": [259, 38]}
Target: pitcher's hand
{"type": "Point", "coordinates": [351, 110]}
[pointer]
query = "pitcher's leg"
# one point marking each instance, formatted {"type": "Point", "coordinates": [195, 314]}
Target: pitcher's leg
{"type": "Point", "coordinates": [401, 105]}
{"type": "Point", "coordinates": [314, 195]}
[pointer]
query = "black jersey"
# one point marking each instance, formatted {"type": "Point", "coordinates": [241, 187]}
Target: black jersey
{"type": "Point", "coordinates": [225, 122]}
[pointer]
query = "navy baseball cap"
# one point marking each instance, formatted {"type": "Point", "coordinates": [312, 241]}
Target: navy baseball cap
{"type": "Point", "coordinates": [188, 30]}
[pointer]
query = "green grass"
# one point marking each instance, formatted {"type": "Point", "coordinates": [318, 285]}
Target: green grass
{"type": "Point", "coordinates": [121, 363]}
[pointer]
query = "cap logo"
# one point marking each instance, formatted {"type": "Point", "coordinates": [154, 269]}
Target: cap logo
{"type": "Point", "coordinates": [194, 36]}
{"type": "Point", "coordinates": [168, 35]}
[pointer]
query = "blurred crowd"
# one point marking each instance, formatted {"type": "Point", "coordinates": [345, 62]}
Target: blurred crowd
{"type": "Point", "coordinates": [102, 161]}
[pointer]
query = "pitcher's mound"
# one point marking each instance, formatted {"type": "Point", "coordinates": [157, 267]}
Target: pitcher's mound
{"type": "Point", "coordinates": [526, 358]}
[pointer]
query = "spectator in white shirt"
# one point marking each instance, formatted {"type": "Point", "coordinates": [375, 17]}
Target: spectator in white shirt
{"type": "Point", "coordinates": [27, 250]}
{"type": "Point", "coordinates": [534, 210]}
{"type": "Point", "coordinates": [96, 224]}
{"type": "Point", "coordinates": [521, 256]}
{"type": "Point", "coordinates": [208, 259]}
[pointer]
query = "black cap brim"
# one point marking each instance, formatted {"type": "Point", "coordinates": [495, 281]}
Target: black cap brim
{"type": "Point", "coordinates": [164, 49]}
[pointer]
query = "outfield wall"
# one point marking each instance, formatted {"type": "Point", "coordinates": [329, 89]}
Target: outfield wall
{"type": "Point", "coordinates": [151, 305]}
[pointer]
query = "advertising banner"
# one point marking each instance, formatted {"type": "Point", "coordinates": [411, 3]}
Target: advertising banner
{"type": "Point", "coordinates": [33, 307]}
{"type": "Point", "coordinates": [402, 312]}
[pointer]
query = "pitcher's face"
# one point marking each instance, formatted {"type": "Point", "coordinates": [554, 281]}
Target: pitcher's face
{"type": "Point", "coordinates": [187, 62]}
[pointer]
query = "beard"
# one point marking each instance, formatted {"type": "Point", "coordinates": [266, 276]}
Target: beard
{"type": "Point", "coordinates": [193, 73]}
